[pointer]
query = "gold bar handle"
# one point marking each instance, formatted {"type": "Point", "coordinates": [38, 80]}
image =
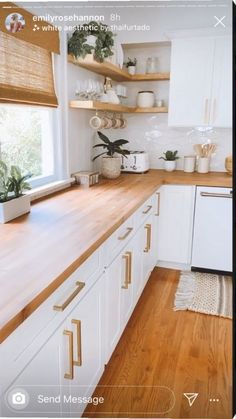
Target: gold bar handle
{"type": "Point", "coordinates": [158, 194]}
{"type": "Point", "coordinates": [129, 254]}
{"type": "Point", "coordinates": [62, 306]}
{"type": "Point", "coordinates": [206, 111]}
{"type": "Point", "coordinates": [69, 375]}
{"type": "Point", "coordinates": [129, 229]}
{"type": "Point", "coordinates": [149, 207]}
{"type": "Point", "coordinates": [126, 257]}
{"type": "Point", "coordinates": [148, 227]}
{"type": "Point", "coordinates": [78, 363]}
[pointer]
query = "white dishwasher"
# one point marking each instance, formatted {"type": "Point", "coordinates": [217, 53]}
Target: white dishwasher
{"type": "Point", "coordinates": [212, 234]}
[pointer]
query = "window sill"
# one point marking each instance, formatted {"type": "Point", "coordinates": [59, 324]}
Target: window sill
{"type": "Point", "coordinates": [48, 189]}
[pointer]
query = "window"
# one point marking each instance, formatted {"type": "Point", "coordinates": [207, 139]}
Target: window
{"type": "Point", "coordinates": [26, 140]}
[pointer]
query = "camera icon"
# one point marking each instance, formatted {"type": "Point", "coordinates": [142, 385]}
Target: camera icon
{"type": "Point", "coordinates": [18, 398]}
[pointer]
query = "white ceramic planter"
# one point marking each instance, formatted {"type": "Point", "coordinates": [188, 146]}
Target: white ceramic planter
{"type": "Point", "coordinates": [131, 69]}
{"type": "Point", "coordinates": [111, 167]}
{"type": "Point", "coordinates": [170, 165]}
{"type": "Point", "coordinates": [14, 208]}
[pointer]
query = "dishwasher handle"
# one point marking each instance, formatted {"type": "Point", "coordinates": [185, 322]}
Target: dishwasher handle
{"type": "Point", "coordinates": [216, 195]}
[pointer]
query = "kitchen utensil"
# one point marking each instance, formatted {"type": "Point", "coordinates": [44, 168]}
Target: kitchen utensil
{"type": "Point", "coordinates": [229, 165]}
{"type": "Point", "coordinates": [198, 149]}
{"type": "Point", "coordinates": [189, 164]}
{"type": "Point", "coordinates": [145, 99]}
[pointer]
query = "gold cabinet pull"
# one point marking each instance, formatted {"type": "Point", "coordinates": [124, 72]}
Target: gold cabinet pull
{"type": "Point", "coordinates": [130, 266]}
{"type": "Point", "coordinates": [158, 203]}
{"type": "Point", "coordinates": [129, 229]}
{"type": "Point", "coordinates": [149, 207]}
{"type": "Point", "coordinates": [126, 257]}
{"type": "Point", "coordinates": [62, 306]}
{"type": "Point", "coordinates": [70, 375]}
{"type": "Point", "coordinates": [206, 111]}
{"type": "Point", "coordinates": [148, 227]}
{"type": "Point", "coordinates": [78, 362]}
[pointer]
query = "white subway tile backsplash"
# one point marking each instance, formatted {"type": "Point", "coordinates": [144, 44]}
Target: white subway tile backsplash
{"type": "Point", "coordinates": [151, 133]}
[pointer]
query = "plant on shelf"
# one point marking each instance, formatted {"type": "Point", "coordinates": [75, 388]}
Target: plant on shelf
{"type": "Point", "coordinates": [131, 65]}
{"type": "Point", "coordinates": [170, 160]}
{"type": "Point", "coordinates": [92, 38]}
{"type": "Point", "coordinates": [13, 202]}
{"type": "Point", "coordinates": [111, 163]}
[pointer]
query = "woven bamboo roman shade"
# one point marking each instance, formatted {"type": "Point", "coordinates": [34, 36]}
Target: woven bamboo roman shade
{"type": "Point", "coordinates": [26, 73]}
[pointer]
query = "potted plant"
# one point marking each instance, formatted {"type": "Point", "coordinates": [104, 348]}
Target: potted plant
{"type": "Point", "coordinates": [111, 163]}
{"type": "Point", "coordinates": [92, 38]}
{"type": "Point", "coordinates": [13, 202]}
{"type": "Point", "coordinates": [170, 160]}
{"type": "Point", "coordinates": [131, 65]}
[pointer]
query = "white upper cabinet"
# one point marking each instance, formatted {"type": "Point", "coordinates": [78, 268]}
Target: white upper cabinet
{"type": "Point", "coordinates": [221, 103]}
{"type": "Point", "coordinates": [200, 85]}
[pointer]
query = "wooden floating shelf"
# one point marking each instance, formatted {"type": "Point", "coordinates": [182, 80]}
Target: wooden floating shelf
{"type": "Point", "coordinates": [101, 106]}
{"type": "Point", "coordinates": [150, 77]}
{"type": "Point", "coordinates": [113, 71]}
{"type": "Point", "coordinates": [162, 109]}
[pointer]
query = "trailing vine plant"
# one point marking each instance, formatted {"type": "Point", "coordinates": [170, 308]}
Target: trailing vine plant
{"type": "Point", "coordinates": [78, 47]}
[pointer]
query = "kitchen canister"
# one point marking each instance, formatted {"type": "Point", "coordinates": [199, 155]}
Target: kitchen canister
{"type": "Point", "coordinates": [152, 65]}
{"type": "Point", "coordinates": [145, 99]}
{"type": "Point", "coordinates": [203, 164]}
{"type": "Point", "coordinates": [189, 164]}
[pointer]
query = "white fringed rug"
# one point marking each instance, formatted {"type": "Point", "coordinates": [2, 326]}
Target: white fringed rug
{"type": "Point", "coordinates": [204, 293]}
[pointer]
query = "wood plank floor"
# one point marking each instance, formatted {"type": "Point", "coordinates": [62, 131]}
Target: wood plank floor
{"type": "Point", "coordinates": [183, 351]}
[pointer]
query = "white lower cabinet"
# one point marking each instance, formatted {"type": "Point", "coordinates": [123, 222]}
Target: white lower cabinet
{"type": "Point", "coordinates": [69, 363]}
{"type": "Point", "coordinates": [175, 224]}
{"type": "Point", "coordinates": [119, 296]}
{"type": "Point", "coordinates": [127, 275]}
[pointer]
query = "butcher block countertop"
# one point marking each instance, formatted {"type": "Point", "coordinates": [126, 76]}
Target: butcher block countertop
{"type": "Point", "coordinates": [39, 251]}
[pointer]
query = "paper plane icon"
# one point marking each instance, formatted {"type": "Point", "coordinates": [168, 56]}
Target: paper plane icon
{"type": "Point", "coordinates": [191, 397]}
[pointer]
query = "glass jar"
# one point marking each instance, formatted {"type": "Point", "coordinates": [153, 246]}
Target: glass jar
{"type": "Point", "coordinates": [152, 65]}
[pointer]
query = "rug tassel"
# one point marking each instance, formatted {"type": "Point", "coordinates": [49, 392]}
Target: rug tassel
{"type": "Point", "coordinates": [185, 292]}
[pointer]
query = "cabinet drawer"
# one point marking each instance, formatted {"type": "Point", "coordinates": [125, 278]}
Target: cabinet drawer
{"type": "Point", "coordinates": [118, 240]}
{"type": "Point", "coordinates": [149, 207]}
{"type": "Point", "coordinates": [50, 314]}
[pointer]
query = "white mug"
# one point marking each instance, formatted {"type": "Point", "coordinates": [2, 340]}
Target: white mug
{"type": "Point", "coordinates": [96, 122]}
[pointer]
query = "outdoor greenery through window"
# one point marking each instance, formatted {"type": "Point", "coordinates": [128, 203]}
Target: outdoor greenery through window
{"type": "Point", "coordinates": [26, 141]}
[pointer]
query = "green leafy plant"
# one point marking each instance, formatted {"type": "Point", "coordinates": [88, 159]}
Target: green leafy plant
{"type": "Point", "coordinates": [170, 155]}
{"type": "Point", "coordinates": [12, 182]}
{"type": "Point", "coordinates": [111, 147]}
{"type": "Point", "coordinates": [78, 47]}
{"type": "Point", "coordinates": [131, 62]}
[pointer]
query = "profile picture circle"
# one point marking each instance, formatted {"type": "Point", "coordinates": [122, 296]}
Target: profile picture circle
{"type": "Point", "coordinates": [15, 22]}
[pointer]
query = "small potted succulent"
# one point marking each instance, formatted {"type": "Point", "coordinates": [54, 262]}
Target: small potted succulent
{"type": "Point", "coordinates": [111, 162]}
{"type": "Point", "coordinates": [170, 160]}
{"type": "Point", "coordinates": [131, 65]}
{"type": "Point", "coordinates": [13, 202]}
